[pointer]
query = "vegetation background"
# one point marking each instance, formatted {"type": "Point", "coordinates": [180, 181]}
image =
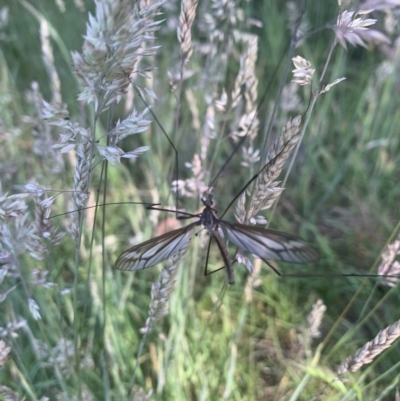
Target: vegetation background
{"type": "Point", "coordinates": [254, 343]}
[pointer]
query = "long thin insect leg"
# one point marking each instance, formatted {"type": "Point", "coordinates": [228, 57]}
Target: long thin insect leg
{"type": "Point", "coordinates": [214, 271]}
{"type": "Point", "coordinates": [273, 268]}
{"type": "Point", "coordinates": [104, 204]}
{"type": "Point", "coordinates": [170, 142]}
{"type": "Point", "coordinates": [189, 215]}
{"type": "Point", "coordinates": [206, 272]}
{"type": "Point", "coordinates": [225, 256]}
{"type": "Point", "coordinates": [207, 257]}
{"type": "Point", "coordinates": [240, 143]}
{"type": "Point", "coordinates": [139, 93]}
{"type": "Point", "coordinates": [247, 185]}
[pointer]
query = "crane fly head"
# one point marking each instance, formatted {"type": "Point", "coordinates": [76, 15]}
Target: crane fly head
{"type": "Point", "coordinates": [207, 201]}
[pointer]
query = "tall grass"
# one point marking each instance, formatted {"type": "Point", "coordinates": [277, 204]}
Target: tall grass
{"type": "Point", "coordinates": [157, 98]}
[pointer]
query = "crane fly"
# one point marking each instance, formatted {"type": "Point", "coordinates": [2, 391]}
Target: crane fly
{"type": "Point", "coordinates": [263, 243]}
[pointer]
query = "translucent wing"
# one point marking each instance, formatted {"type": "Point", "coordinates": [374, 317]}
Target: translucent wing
{"type": "Point", "coordinates": [155, 250]}
{"type": "Point", "coordinates": [269, 244]}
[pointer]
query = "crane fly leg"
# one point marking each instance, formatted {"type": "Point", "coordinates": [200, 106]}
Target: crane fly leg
{"type": "Point", "coordinates": [206, 272]}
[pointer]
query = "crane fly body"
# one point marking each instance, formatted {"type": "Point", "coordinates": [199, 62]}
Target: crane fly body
{"type": "Point", "coordinates": [263, 243]}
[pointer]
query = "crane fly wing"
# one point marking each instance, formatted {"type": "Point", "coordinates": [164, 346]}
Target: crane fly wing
{"type": "Point", "coordinates": [155, 250]}
{"type": "Point", "coordinates": [269, 244]}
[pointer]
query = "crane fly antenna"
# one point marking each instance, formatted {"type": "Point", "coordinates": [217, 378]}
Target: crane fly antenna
{"type": "Point", "coordinates": [236, 148]}
{"type": "Point", "coordinates": [105, 204]}
{"type": "Point", "coordinates": [242, 140]}
{"type": "Point", "coordinates": [176, 173]}
{"type": "Point", "coordinates": [249, 183]}
{"type": "Point", "coordinates": [340, 275]}
{"type": "Point", "coordinates": [185, 215]}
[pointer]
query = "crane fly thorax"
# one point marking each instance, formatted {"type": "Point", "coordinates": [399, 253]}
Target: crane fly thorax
{"type": "Point", "coordinates": [208, 219]}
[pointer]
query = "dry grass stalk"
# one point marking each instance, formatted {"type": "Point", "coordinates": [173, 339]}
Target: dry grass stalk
{"type": "Point", "coordinates": [193, 108]}
{"type": "Point", "coordinates": [294, 16]}
{"type": "Point", "coordinates": [236, 94]}
{"type": "Point", "coordinates": [161, 289]}
{"type": "Point", "coordinates": [369, 351]}
{"type": "Point", "coordinates": [10, 330]}
{"type": "Point", "coordinates": [249, 154]}
{"type": "Point", "coordinates": [308, 333]}
{"type": "Point", "coordinates": [220, 104]}
{"type": "Point", "coordinates": [10, 395]}
{"type": "Point", "coordinates": [353, 27]}
{"type": "Point", "coordinates": [48, 59]}
{"type": "Point", "coordinates": [4, 351]}
{"type": "Point", "coordinates": [42, 132]}
{"type": "Point", "coordinates": [379, 5]}
{"type": "Point", "coordinates": [315, 319]}
{"type": "Point", "coordinates": [34, 309]}
{"type": "Point", "coordinates": [115, 42]}
{"type": "Point", "coordinates": [186, 18]}
{"type": "Point", "coordinates": [249, 123]}
{"type": "Point", "coordinates": [44, 229]}
{"type": "Point", "coordinates": [21, 236]}
{"type": "Point", "coordinates": [266, 191]}
{"type": "Point", "coordinates": [246, 74]}
{"type": "Point", "coordinates": [251, 81]}
{"type": "Point", "coordinates": [84, 159]}
{"type": "Point", "coordinates": [113, 45]}
{"type": "Point", "coordinates": [303, 73]}
{"type": "Point", "coordinates": [195, 185]}
{"type": "Point", "coordinates": [60, 356]}
{"type": "Point", "coordinates": [208, 131]}
{"type": "Point", "coordinates": [388, 266]}
{"type": "Point", "coordinates": [139, 394]}
{"type": "Point", "coordinates": [172, 83]}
